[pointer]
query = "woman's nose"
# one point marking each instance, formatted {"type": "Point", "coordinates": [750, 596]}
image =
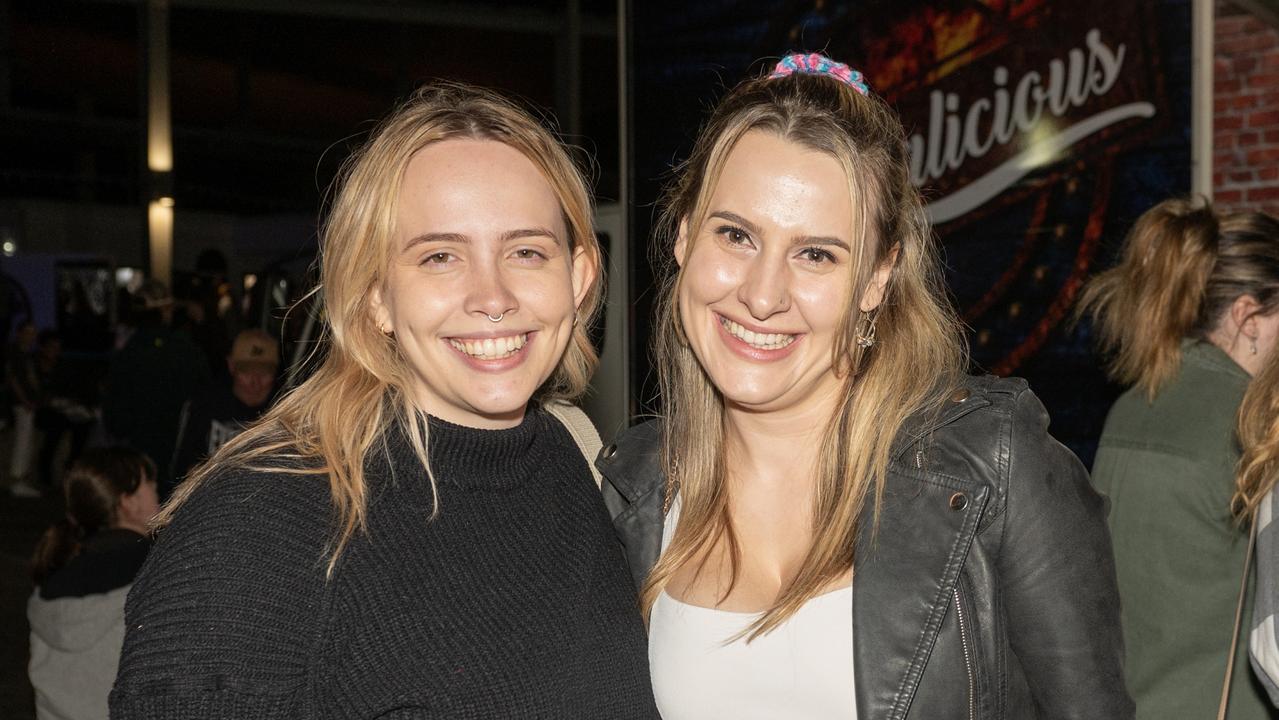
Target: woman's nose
{"type": "Point", "coordinates": [765, 289]}
{"type": "Point", "coordinates": [491, 293]}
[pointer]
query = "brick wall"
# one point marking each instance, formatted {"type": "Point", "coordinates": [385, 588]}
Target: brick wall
{"type": "Point", "coordinates": [1245, 112]}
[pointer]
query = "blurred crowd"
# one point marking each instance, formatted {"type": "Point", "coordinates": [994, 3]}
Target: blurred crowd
{"type": "Point", "coordinates": [179, 378]}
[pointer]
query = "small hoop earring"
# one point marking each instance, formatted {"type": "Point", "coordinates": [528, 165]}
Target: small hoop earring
{"type": "Point", "coordinates": [866, 339]}
{"type": "Point", "coordinates": [497, 319]}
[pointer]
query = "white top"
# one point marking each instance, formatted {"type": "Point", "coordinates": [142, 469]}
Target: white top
{"type": "Point", "coordinates": [803, 670]}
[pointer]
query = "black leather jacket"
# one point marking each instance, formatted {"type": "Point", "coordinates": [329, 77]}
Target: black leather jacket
{"type": "Point", "coordinates": [989, 591]}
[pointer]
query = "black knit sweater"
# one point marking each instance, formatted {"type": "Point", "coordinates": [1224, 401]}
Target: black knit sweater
{"type": "Point", "coordinates": [513, 602]}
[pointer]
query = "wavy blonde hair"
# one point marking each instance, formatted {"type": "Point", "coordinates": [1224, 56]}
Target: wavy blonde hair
{"type": "Point", "coordinates": [1258, 468]}
{"type": "Point", "coordinates": [330, 423]}
{"type": "Point", "coordinates": [918, 355]}
{"type": "Point", "coordinates": [1181, 268]}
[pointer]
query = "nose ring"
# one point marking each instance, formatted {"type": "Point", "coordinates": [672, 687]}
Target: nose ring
{"type": "Point", "coordinates": [496, 319]}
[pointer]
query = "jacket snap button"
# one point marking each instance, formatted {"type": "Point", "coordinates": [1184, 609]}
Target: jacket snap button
{"type": "Point", "coordinates": [960, 395]}
{"type": "Point", "coordinates": [609, 452]}
{"type": "Point", "coordinates": [958, 501]}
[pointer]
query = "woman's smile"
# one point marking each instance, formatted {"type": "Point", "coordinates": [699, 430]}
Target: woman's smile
{"type": "Point", "coordinates": [757, 344]}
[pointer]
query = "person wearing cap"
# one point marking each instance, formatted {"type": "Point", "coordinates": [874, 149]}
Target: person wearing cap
{"type": "Point", "coordinates": [212, 418]}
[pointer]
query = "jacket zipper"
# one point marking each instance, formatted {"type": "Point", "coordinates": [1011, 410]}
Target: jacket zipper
{"type": "Point", "coordinates": [969, 407]}
{"type": "Point", "coordinates": [968, 656]}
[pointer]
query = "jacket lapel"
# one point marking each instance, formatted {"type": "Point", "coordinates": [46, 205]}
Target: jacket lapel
{"type": "Point", "coordinates": [904, 576]}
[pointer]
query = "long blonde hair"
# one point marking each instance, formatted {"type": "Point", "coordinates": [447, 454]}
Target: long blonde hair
{"type": "Point", "coordinates": [917, 357]}
{"type": "Point", "coordinates": [330, 423]}
{"type": "Point", "coordinates": [1258, 468]}
{"type": "Point", "coordinates": [1182, 266]}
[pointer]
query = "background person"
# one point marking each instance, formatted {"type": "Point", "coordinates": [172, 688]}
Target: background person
{"type": "Point", "coordinates": [212, 418]}
{"type": "Point", "coordinates": [83, 569]}
{"type": "Point", "coordinates": [150, 379]}
{"type": "Point", "coordinates": [833, 519]}
{"type": "Point", "coordinates": [1188, 316]}
{"type": "Point", "coordinates": [409, 533]}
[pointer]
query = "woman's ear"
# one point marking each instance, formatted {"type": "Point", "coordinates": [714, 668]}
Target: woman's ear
{"type": "Point", "coordinates": [681, 242]}
{"type": "Point", "coordinates": [585, 269]}
{"type": "Point", "coordinates": [381, 314]}
{"type": "Point", "coordinates": [127, 507]}
{"type": "Point", "coordinates": [1243, 314]}
{"type": "Point", "coordinates": [874, 293]}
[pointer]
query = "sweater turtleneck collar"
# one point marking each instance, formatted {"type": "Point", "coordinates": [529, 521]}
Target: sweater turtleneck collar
{"type": "Point", "coordinates": [472, 458]}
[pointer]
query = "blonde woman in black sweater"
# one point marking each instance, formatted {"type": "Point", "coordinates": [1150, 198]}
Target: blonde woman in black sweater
{"type": "Point", "coordinates": [411, 532]}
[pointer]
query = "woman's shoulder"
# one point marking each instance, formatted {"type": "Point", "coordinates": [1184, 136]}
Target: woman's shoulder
{"type": "Point", "coordinates": [248, 501]}
{"type": "Point", "coordinates": [987, 428]}
{"type": "Point", "coordinates": [632, 462]}
{"type": "Point", "coordinates": [973, 409]}
{"type": "Point", "coordinates": [1192, 417]}
{"type": "Point", "coordinates": [228, 609]}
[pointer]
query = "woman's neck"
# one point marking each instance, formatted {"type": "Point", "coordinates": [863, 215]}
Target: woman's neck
{"type": "Point", "coordinates": [1238, 347]}
{"type": "Point", "coordinates": [775, 447]}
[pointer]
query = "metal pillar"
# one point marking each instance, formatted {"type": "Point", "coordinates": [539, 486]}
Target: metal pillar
{"type": "Point", "coordinates": [1201, 104]}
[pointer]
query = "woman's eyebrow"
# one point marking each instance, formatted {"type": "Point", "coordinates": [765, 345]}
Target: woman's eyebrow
{"type": "Point", "coordinates": [736, 219]}
{"type": "Point", "coordinates": [820, 240]}
{"type": "Point", "coordinates": [510, 235]}
{"type": "Point", "coordinates": [436, 237]}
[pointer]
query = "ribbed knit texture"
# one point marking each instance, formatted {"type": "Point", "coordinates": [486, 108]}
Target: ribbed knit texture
{"type": "Point", "coordinates": [513, 602]}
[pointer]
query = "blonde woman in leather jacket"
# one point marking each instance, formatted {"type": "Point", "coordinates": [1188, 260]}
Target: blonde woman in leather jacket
{"type": "Point", "coordinates": [832, 518]}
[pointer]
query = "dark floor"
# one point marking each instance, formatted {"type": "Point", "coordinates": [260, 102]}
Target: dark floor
{"type": "Point", "coordinates": [21, 523]}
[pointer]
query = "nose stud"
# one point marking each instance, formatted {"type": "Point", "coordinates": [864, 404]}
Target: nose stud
{"type": "Point", "coordinates": [496, 318]}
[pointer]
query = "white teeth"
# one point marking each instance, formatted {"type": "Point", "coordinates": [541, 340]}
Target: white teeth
{"type": "Point", "coordinates": [763, 341]}
{"type": "Point", "coordinates": [491, 348]}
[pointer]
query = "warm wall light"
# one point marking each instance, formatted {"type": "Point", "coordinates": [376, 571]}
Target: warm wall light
{"type": "Point", "coordinates": [159, 131]}
{"type": "Point", "coordinates": [159, 142]}
{"type": "Point", "coordinates": [160, 229]}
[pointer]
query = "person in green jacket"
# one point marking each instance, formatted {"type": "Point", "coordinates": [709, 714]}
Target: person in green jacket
{"type": "Point", "coordinates": [1187, 317]}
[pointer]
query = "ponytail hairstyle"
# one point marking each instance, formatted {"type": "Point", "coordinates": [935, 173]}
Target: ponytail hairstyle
{"type": "Point", "coordinates": [1183, 265]}
{"type": "Point", "coordinates": [92, 488]}
{"type": "Point", "coordinates": [1259, 438]}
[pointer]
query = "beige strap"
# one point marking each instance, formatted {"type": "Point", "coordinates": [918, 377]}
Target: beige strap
{"type": "Point", "coordinates": [582, 430]}
{"type": "Point", "coordinates": [1234, 639]}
